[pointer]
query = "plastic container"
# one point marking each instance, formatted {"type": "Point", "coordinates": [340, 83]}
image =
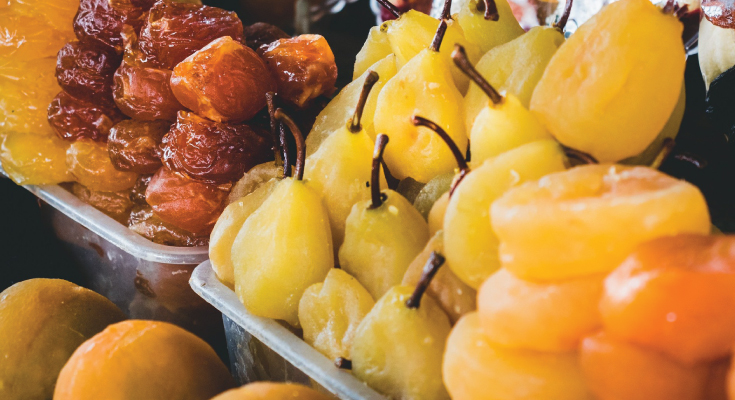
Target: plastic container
{"type": "Point", "coordinates": [262, 349]}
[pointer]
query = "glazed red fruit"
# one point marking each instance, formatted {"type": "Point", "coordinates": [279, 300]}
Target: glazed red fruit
{"type": "Point", "coordinates": [185, 203]}
{"type": "Point", "coordinates": [102, 21]}
{"type": "Point", "coordinates": [303, 67]}
{"type": "Point", "coordinates": [85, 71]}
{"type": "Point", "coordinates": [225, 81]}
{"type": "Point", "coordinates": [146, 223]}
{"type": "Point", "coordinates": [174, 31]}
{"type": "Point", "coordinates": [137, 193]}
{"type": "Point", "coordinates": [133, 145]}
{"type": "Point", "coordinates": [213, 152]}
{"type": "Point", "coordinates": [261, 33]}
{"type": "Point", "coordinates": [74, 119]}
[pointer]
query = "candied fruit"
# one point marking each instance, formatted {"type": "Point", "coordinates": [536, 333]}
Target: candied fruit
{"type": "Point", "coordinates": [90, 165]}
{"type": "Point", "coordinates": [57, 13]}
{"type": "Point", "coordinates": [225, 81]}
{"type": "Point", "coordinates": [146, 223]}
{"type": "Point", "coordinates": [253, 179]}
{"type": "Point", "coordinates": [145, 93]}
{"type": "Point", "coordinates": [174, 31]}
{"type": "Point", "coordinates": [24, 38]}
{"type": "Point", "coordinates": [102, 21]}
{"type": "Point", "coordinates": [261, 33]}
{"type": "Point", "coordinates": [185, 203]}
{"type": "Point", "coordinates": [74, 119]}
{"type": "Point", "coordinates": [116, 205]}
{"type": "Point", "coordinates": [675, 295]}
{"type": "Point", "coordinates": [27, 89]}
{"type": "Point", "coordinates": [303, 66]}
{"type": "Point", "coordinates": [85, 71]}
{"type": "Point", "coordinates": [137, 192]}
{"type": "Point", "coordinates": [211, 151]}
{"type": "Point", "coordinates": [133, 145]}
{"type": "Point", "coordinates": [34, 159]}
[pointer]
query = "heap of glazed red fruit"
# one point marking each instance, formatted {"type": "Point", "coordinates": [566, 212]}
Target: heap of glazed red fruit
{"type": "Point", "coordinates": [164, 106]}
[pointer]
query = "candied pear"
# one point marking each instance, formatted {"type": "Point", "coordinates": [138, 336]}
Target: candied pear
{"type": "Point", "coordinates": [398, 347]}
{"type": "Point", "coordinates": [285, 245]}
{"type": "Point", "coordinates": [431, 192]}
{"type": "Point", "coordinates": [382, 235]}
{"type": "Point", "coordinates": [488, 23]}
{"type": "Point", "coordinates": [330, 312]}
{"type": "Point", "coordinates": [376, 48]}
{"type": "Point", "coordinates": [436, 215]}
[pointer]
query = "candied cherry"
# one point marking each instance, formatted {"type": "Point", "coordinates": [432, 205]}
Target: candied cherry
{"type": "Point", "coordinates": [116, 205]}
{"type": "Point", "coordinates": [174, 31]}
{"type": "Point", "coordinates": [102, 21]}
{"type": "Point", "coordinates": [74, 119]}
{"type": "Point", "coordinates": [261, 33]}
{"type": "Point", "coordinates": [211, 151]}
{"type": "Point", "coordinates": [133, 145]}
{"type": "Point", "coordinates": [90, 165]}
{"type": "Point", "coordinates": [85, 71]}
{"type": "Point", "coordinates": [225, 81]}
{"type": "Point", "coordinates": [303, 66]}
{"type": "Point", "coordinates": [34, 159]}
{"type": "Point", "coordinates": [185, 203]}
{"type": "Point", "coordinates": [146, 223]}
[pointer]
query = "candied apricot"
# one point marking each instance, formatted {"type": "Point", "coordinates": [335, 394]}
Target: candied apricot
{"type": "Point", "coordinates": [74, 119]}
{"type": "Point", "coordinates": [225, 81]}
{"type": "Point", "coordinates": [185, 203]}
{"type": "Point", "coordinates": [34, 159]}
{"type": "Point", "coordinates": [174, 31]}
{"type": "Point", "coordinates": [261, 33]}
{"type": "Point", "coordinates": [102, 21]}
{"type": "Point", "coordinates": [133, 145]}
{"type": "Point", "coordinates": [211, 151]}
{"type": "Point", "coordinates": [137, 192]}
{"type": "Point", "coordinates": [27, 89]}
{"type": "Point", "coordinates": [57, 13]}
{"type": "Point", "coordinates": [24, 38]}
{"type": "Point", "coordinates": [90, 165]}
{"type": "Point", "coordinates": [85, 71]}
{"type": "Point", "coordinates": [303, 66]}
{"type": "Point", "coordinates": [116, 205]}
{"type": "Point", "coordinates": [675, 295]}
{"type": "Point", "coordinates": [146, 223]}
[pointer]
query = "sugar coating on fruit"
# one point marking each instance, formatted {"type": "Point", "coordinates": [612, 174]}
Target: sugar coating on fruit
{"type": "Point", "coordinates": [133, 145]}
{"type": "Point", "coordinates": [146, 223]}
{"type": "Point", "coordinates": [85, 71]}
{"type": "Point", "coordinates": [34, 159]}
{"type": "Point", "coordinates": [90, 165]}
{"type": "Point", "coordinates": [74, 119]}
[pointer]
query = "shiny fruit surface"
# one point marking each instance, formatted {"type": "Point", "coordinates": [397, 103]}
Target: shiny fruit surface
{"type": "Point", "coordinates": [144, 93]}
{"type": "Point", "coordinates": [85, 71]}
{"type": "Point", "coordinates": [35, 160]}
{"type": "Point", "coordinates": [487, 33]}
{"type": "Point", "coordinates": [133, 145]}
{"type": "Point", "coordinates": [102, 21]}
{"type": "Point", "coordinates": [146, 223]}
{"type": "Point", "coordinates": [90, 165]}
{"type": "Point", "coordinates": [376, 48]}
{"type": "Point", "coordinates": [27, 89]}
{"type": "Point", "coordinates": [272, 391]}
{"type": "Point", "coordinates": [74, 119]}
{"type": "Point", "coordinates": [116, 205]}
{"type": "Point", "coordinates": [253, 179]}
{"type": "Point", "coordinates": [24, 38]}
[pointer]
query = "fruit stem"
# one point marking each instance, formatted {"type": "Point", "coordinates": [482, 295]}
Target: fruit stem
{"type": "Point", "coordinates": [343, 363]}
{"type": "Point", "coordinates": [672, 7]}
{"type": "Point", "coordinates": [275, 125]}
{"type": "Point", "coordinates": [439, 36]}
{"type": "Point", "coordinates": [370, 81]}
{"type": "Point", "coordinates": [300, 145]}
{"type": "Point", "coordinates": [391, 180]}
{"type": "Point", "coordinates": [435, 261]}
{"type": "Point", "coordinates": [666, 148]}
{"type": "Point", "coordinates": [284, 147]}
{"type": "Point", "coordinates": [459, 55]}
{"type": "Point", "coordinates": [390, 7]}
{"type": "Point", "coordinates": [490, 9]}
{"type": "Point", "coordinates": [376, 196]}
{"type": "Point", "coordinates": [446, 10]}
{"type": "Point", "coordinates": [562, 22]}
{"type": "Point", "coordinates": [464, 168]}
{"type": "Point", "coordinates": [579, 155]}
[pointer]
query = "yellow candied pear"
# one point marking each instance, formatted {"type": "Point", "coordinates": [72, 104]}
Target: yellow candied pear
{"type": "Point", "coordinates": [35, 159]}
{"type": "Point", "coordinates": [330, 312]}
{"type": "Point", "coordinates": [488, 23]}
{"type": "Point", "coordinates": [431, 192]}
{"type": "Point", "coordinates": [340, 169]}
{"type": "Point", "coordinates": [475, 368]}
{"type": "Point", "coordinates": [376, 48]}
{"type": "Point", "coordinates": [254, 179]}
{"type": "Point", "coordinates": [398, 346]}
{"type": "Point", "coordinates": [587, 220]}
{"type": "Point", "coordinates": [285, 246]}
{"type": "Point", "coordinates": [612, 86]}
{"type": "Point", "coordinates": [332, 118]}
{"type": "Point", "coordinates": [382, 235]}
{"type": "Point", "coordinates": [423, 86]}
{"type": "Point", "coordinates": [436, 214]}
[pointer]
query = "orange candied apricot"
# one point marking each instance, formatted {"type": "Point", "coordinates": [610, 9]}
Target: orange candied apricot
{"type": "Point", "coordinates": [27, 89]}
{"type": "Point", "coordinates": [35, 159]}
{"type": "Point", "coordinates": [24, 38]}
{"type": "Point", "coordinates": [272, 391]}
{"type": "Point", "coordinates": [90, 164]}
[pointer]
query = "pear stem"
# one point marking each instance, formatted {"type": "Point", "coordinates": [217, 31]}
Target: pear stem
{"type": "Point", "coordinates": [435, 261]}
{"type": "Point", "coordinates": [579, 155]}
{"type": "Point", "coordinates": [391, 180]}
{"type": "Point", "coordinates": [446, 11]}
{"type": "Point", "coordinates": [343, 363]}
{"type": "Point", "coordinates": [370, 81]}
{"type": "Point", "coordinates": [376, 196]}
{"type": "Point", "coordinates": [439, 36]}
{"type": "Point", "coordinates": [300, 145]}
{"type": "Point", "coordinates": [666, 148]}
{"type": "Point", "coordinates": [490, 8]}
{"type": "Point", "coordinates": [459, 55]}
{"type": "Point", "coordinates": [390, 7]}
{"type": "Point", "coordinates": [275, 125]}
{"type": "Point", "coordinates": [464, 168]}
{"type": "Point", "coordinates": [564, 16]}
{"type": "Point", "coordinates": [284, 148]}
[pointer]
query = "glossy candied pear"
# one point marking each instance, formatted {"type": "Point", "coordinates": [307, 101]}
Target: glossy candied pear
{"type": "Point", "coordinates": [618, 104]}
{"type": "Point", "coordinates": [431, 192]}
{"type": "Point", "coordinates": [228, 226]}
{"type": "Point", "coordinates": [91, 166]}
{"type": "Point", "coordinates": [398, 350]}
{"type": "Point", "coordinates": [437, 213]}
{"type": "Point", "coordinates": [34, 159]}
{"type": "Point", "coordinates": [550, 317]}
{"type": "Point", "coordinates": [253, 179]}
{"type": "Point", "coordinates": [423, 87]}
{"type": "Point", "coordinates": [381, 242]}
{"type": "Point", "coordinates": [675, 295]}
{"type": "Point", "coordinates": [716, 53]}
{"type": "Point", "coordinates": [375, 48]}
{"type": "Point", "coordinates": [533, 50]}
{"type": "Point", "coordinates": [588, 219]}
{"type": "Point", "coordinates": [488, 33]}
{"type": "Point", "coordinates": [470, 245]}
{"type": "Point", "coordinates": [475, 368]}
{"type": "Point", "coordinates": [452, 295]}
{"type": "Point", "coordinates": [330, 312]}
{"type": "Point", "coordinates": [284, 247]}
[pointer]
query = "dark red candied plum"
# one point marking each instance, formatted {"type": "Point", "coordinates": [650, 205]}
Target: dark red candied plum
{"type": "Point", "coordinates": [74, 119]}
{"type": "Point", "coordinates": [303, 67]}
{"type": "Point", "coordinates": [146, 223]}
{"type": "Point", "coordinates": [185, 203]}
{"type": "Point", "coordinates": [174, 31]}
{"type": "Point", "coordinates": [261, 33]}
{"type": "Point", "coordinates": [116, 205]}
{"type": "Point", "coordinates": [137, 192]}
{"type": "Point", "coordinates": [85, 71]}
{"type": "Point", "coordinates": [133, 145]}
{"type": "Point", "coordinates": [102, 21]}
{"type": "Point", "coordinates": [213, 152]}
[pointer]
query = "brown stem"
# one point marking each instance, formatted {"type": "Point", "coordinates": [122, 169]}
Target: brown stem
{"type": "Point", "coordinates": [376, 196]}
{"type": "Point", "coordinates": [464, 168]}
{"type": "Point", "coordinates": [391, 180]}
{"type": "Point", "coordinates": [390, 7]}
{"type": "Point", "coordinates": [275, 125]}
{"type": "Point", "coordinates": [370, 81]}
{"type": "Point", "coordinates": [463, 63]}
{"type": "Point", "coordinates": [489, 8]}
{"type": "Point", "coordinates": [300, 145]}
{"type": "Point", "coordinates": [439, 36]}
{"type": "Point", "coordinates": [562, 22]}
{"type": "Point", "coordinates": [284, 148]}
{"type": "Point", "coordinates": [343, 363]}
{"type": "Point", "coordinates": [666, 148]}
{"type": "Point", "coordinates": [446, 11]}
{"type": "Point", "coordinates": [435, 261]}
{"type": "Point", "coordinates": [579, 155]}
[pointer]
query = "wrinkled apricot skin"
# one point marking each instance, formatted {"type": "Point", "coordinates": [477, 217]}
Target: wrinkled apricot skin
{"type": "Point", "coordinates": [85, 71]}
{"type": "Point", "coordinates": [90, 165]}
{"type": "Point", "coordinates": [146, 223]}
{"type": "Point", "coordinates": [675, 295]}
{"type": "Point", "coordinates": [34, 159]}
{"type": "Point", "coordinates": [303, 66]}
{"type": "Point", "coordinates": [145, 93]}
{"type": "Point", "coordinates": [57, 13]}
{"type": "Point", "coordinates": [133, 145]}
{"type": "Point", "coordinates": [74, 119]}
{"type": "Point", "coordinates": [116, 205]}
{"type": "Point", "coordinates": [185, 203]}
{"type": "Point", "coordinates": [23, 38]}
{"type": "Point", "coordinates": [225, 81]}
{"type": "Point", "coordinates": [102, 21]}
{"type": "Point", "coordinates": [212, 152]}
{"type": "Point", "coordinates": [174, 31]}
{"type": "Point", "coordinates": [261, 33]}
